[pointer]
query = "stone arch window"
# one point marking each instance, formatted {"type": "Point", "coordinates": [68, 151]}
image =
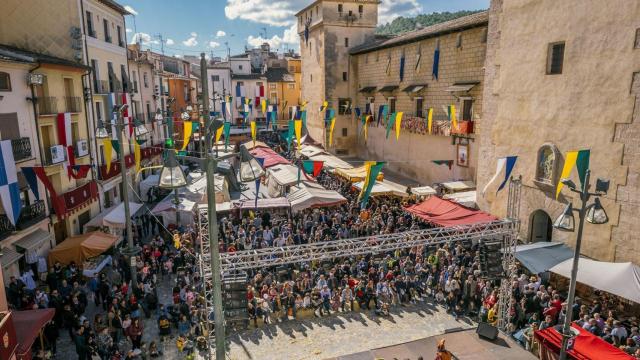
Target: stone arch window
{"type": "Point", "coordinates": [547, 164]}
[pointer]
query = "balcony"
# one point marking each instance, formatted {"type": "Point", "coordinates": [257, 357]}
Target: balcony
{"type": "Point", "coordinates": [47, 105]}
{"type": "Point", "coordinates": [29, 215]}
{"type": "Point", "coordinates": [465, 127]}
{"type": "Point", "coordinates": [80, 196]}
{"type": "Point", "coordinates": [115, 85]}
{"type": "Point", "coordinates": [113, 171]}
{"type": "Point", "coordinates": [135, 87]}
{"type": "Point", "coordinates": [101, 86]}
{"type": "Point", "coordinates": [73, 104]}
{"type": "Point", "coordinates": [21, 149]}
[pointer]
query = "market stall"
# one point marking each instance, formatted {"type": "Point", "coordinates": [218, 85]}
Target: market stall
{"type": "Point", "coordinates": [457, 186]}
{"type": "Point", "coordinates": [91, 267]}
{"type": "Point", "coordinates": [423, 191]}
{"type": "Point", "coordinates": [308, 195]}
{"type": "Point", "coordinates": [385, 187]}
{"type": "Point", "coordinates": [331, 162]}
{"type": "Point", "coordinates": [262, 203]}
{"type": "Point", "coordinates": [280, 178]}
{"type": "Point", "coordinates": [311, 150]}
{"type": "Point", "coordinates": [355, 174]}
{"type": "Point", "coordinates": [539, 257]}
{"type": "Point", "coordinates": [586, 345]}
{"type": "Point", "coordinates": [82, 247]}
{"type": "Point", "coordinates": [465, 198]}
{"type": "Point", "coordinates": [270, 157]}
{"type": "Point", "coordinates": [166, 209]}
{"type": "Point", "coordinates": [145, 185]}
{"type": "Point", "coordinates": [442, 212]}
{"type": "Point", "coordinates": [112, 218]}
{"type": "Point", "coordinates": [28, 326]}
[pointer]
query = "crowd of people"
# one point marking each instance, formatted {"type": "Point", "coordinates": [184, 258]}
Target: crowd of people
{"type": "Point", "coordinates": [448, 274]}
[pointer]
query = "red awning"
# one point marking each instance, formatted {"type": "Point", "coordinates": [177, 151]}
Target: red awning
{"type": "Point", "coordinates": [270, 157]}
{"type": "Point", "coordinates": [441, 212]}
{"type": "Point", "coordinates": [586, 346]}
{"type": "Point", "coordinates": [28, 324]}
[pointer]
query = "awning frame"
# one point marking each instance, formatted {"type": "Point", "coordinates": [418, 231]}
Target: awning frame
{"type": "Point", "coordinates": [388, 88]}
{"type": "Point", "coordinates": [412, 89]}
{"type": "Point", "coordinates": [368, 89]}
{"type": "Point", "coordinates": [462, 86]}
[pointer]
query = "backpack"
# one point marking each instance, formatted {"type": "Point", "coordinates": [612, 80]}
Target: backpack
{"type": "Point", "coordinates": [164, 323]}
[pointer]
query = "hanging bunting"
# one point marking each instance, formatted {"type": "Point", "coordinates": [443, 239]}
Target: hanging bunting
{"type": "Point", "coordinates": [303, 117]}
{"type": "Point", "coordinates": [227, 132]}
{"type": "Point", "coordinates": [9, 189]}
{"type": "Point", "coordinates": [504, 167]}
{"type": "Point", "coordinates": [357, 111]}
{"type": "Point", "coordinates": [367, 118]}
{"type": "Point", "coordinates": [453, 117]}
{"type": "Point", "coordinates": [324, 106]}
{"type": "Point", "coordinates": [332, 125]}
{"type": "Point", "coordinates": [307, 23]}
{"type": "Point", "coordinates": [436, 60]}
{"type": "Point", "coordinates": [390, 123]}
{"type": "Point", "coordinates": [261, 162]}
{"type": "Point", "coordinates": [108, 150]}
{"type": "Point", "coordinates": [449, 163]}
{"type": "Point", "coordinates": [580, 159]}
{"type": "Point", "coordinates": [80, 171]}
{"type": "Point", "coordinates": [312, 167]}
{"type": "Point", "coordinates": [136, 155]}
{"type": "Point", "coordinates": [219, 133]}
{"type": "Point", "coordinates": [298, 129]}
{"type": "Point", "coordinates": [116, 146]}
{"type": "Point", "coordinates": [253, 131]}
{"type": "Point", "coordinates": [398, 124]}
{"type": "Point", "coordinates": [263, 104]}
{"type": "Point", "coordinates": [430, 120]}
{"type": "Point", "coordinates": [373, 169]}
{"type": "Point", "coordinates": [63, 122]}
{"type": "Point", "coordinates": [290, 132]}
{"type": "Point", "coordinates": [30, 177]}
{"type": "Point", "coordinates": [224, 110]}
{"type": "Point", "coordinates": [187, 128]}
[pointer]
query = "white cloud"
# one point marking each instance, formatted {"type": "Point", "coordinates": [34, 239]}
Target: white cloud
{"type": "Point", "coordinates": [128, 30]}
{"type": "Point", "coordinates": [221, 33]}
{"type": "Point", "coordinates": [213, 44]}
{"type": "Point", "coordinates": [177, 56]}
{"type": "Point", "coordinates": [290, 37]}
{"type": "Point", "coordinates": [170, 42]}
{"type": "Point", "coordinates": [144, 38]}
{"type": "Point", "coordinates": [391, 9]}
{"type": "Point", "coordinates": [130, 10]}
{"type": "Point", "coordinates": [270, 12]}
{"type": "Point", "coordinates": [191, 42]}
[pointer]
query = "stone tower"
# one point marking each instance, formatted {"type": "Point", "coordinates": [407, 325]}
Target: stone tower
{"type": "Point", "coordinates": [328, 29]}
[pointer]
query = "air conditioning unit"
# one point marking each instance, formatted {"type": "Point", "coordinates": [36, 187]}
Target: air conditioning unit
{"type": "Point", "coordinates": [57, 154]}
{"type": "Point", "coordinates": [82, 147]}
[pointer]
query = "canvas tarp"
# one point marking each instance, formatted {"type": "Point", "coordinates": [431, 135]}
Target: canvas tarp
{"type": "Point", "coordinates": [423, 191]}
{"type": "Point", "coordinates": [270, 157]}
{"type": "Point", "coordinates": [271, 203]}
{"type": "Point", "coordinates": [356, 174]}
{"type": "Point", "coordinates": [331, 162]}
{"type": "Point", "coordinates": [621, 279]}
{"type": "Point", "coordinates": [310, 150]}
{"type": "Point", "coordinates": [167, 209]}
{"type": "Point", "coordinates": [146, 184]}
{"type": "Point", "coordinates": [279, 177]}
{"type": "Point", "coordinates": [466, 198]}
{"type": "Point", "coordinates": [441, 212]}
{"type": "Point", "coordinates": [308, 195]}
{"type": "Point", "coordinates": [27, 325]}
{"type": "Point", "coordinates": [385, 187]}
{"type": "Point", "coordinates": [455, 186]}
{"type": "Point", "coordinates": [252, 144]}
{"type": "Point", "coordinates": [585, 347]}
{"type": "Point", "coordinates": [116, 219]}
{"type": "Point", "coordinates": [81, 247]}
{"type": "Point", "coordinates": [541, 256]}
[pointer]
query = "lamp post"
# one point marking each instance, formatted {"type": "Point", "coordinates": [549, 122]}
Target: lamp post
{"type": "Point", "coordinates": [130, 251]}
{"type": "Point", "coordinates": [594, 213]}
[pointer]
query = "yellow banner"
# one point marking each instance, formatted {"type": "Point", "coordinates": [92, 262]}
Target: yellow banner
{"type": "Point", "coordinates": [366, 127]}
{"type": "Point", "coordinates": [108, 151]}
{"type": "Point", "coordinates": [263, 103]}
{"type": "Point", "coordinates": [331, 127]}
{"type": "Point", "coordinates": [298, 128]}
{"type": "Point", "coordinates": [569, 163]}
{"type": "Point", "coordinates": [367, 166]}
{"type": "Point", "coordinates": [187, 126]}
{"type": "Point", "coordinates": [430, 119]}
{"type": "Point", "coordinates": [454, 119]}
{"type": "Point", "coordinates": [398, 123]}
{"type": "Point", "coordinates": [136, 154]}
{"type": "Point", "coordinates": [219, 133]}
{"type": "Point", "coordinates": [253, 131]}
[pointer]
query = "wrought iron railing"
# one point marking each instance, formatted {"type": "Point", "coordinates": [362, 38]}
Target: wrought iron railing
{"type": "Point", "coordinates": [21, 148]}
{"type": "Point", "coordinates": [29, 215]}
{"type": "Point", "coordinates": [47, 105]}
{"type": "Point", "coordinates": [73, 104]}
{"type": "Point", "coordinates": [101, 86]}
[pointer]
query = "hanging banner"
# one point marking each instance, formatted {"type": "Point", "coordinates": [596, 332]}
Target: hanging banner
{"type": "Point", "coordinates": [373, 169]}
{"type": "Point", "coordinates": [332, 125]}
{"type": "Point", "coordinates": [580, 159]}
{"type": "Point", "coordinates": [261, 162]}
{"type": "Point", "coordinates": [108, 152]}
{"type": "Point", "coordinates": [30, 177]}
{"type": "Point", "coordinates": [453, 117]}
{"type": "Point", "coordinates": [136, 154]}
{"type": "Point", "coordinates": [227, 133]}
{"type": "Point", "coordinates": [116, 146]}
{"type": "Point", "coordinates": [390, 123]}
{"type": "Point", "coordinates": [219, 133]}
{"type": "Point", "coordinates": [187, 128]}
{"type": "Point", "coordinates": [298, 130]}
{"type": "Point", "coordinates": [9, 189]}
{"type": "Point", "coordinates": [290, 132]}
{"type": "Point", "coordinates": [324, 106]}
{"type": "Point", "coordinates": [402, 68]}
{"type": "Point", "coordinates": [253, 131]}
{"type": "Point", "coordinates": [312, 167]}
{"type": "Point", "coordinates": [429, 119]}
{"type": "Point", "coordinates": [398, 124]}
{"type": "Point", "coordinates": [367, 118]}
{"type": "Point", "coordinates": [303, 117]}
{"type": "Point", "coordinates": [449, 163]}
{"type": "Point", "coordinates": [504, 167]}
{"type": "Point", "coordinates": [263, 103]}
{"type": "Point", "coordinates": [436, 60]}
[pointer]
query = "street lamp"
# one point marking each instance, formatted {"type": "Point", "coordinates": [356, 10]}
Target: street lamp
{"type": "Point", "coordinates": [140, 128]}
{"type": "Point", "coordinates": [130, 251]}
{"type": "Point", "coordinates": [593, 213]}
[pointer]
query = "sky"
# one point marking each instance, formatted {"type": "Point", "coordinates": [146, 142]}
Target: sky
{"type": "Point", "coordinates": [189, 27]}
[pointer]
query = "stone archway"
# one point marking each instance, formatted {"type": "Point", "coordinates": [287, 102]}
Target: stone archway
{"type": "Point", "coordinates": [541, 228]}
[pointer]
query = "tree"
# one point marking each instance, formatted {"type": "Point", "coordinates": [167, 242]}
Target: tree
{"type": "Point", "coordinates": [401, 24]}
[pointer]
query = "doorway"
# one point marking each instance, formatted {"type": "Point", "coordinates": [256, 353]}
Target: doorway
{"type": "Point", "coordinates": [60, 230]}
{"type": "Point", "coordinates": [83, 218]}
{"type": "Point", "coordinates": [541, 226]}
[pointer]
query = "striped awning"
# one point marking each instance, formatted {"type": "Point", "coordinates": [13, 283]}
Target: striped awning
{"type": "Point", "coordinates": [8, 256]}
{"type": "Point", "coordinates": [32, 240]}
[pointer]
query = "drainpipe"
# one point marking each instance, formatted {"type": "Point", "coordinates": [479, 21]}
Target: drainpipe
{"type": "Point", "coordinates": [34, 101]}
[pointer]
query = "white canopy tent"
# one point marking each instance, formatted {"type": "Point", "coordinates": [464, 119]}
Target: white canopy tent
{"type": "Point", "coordinates": [279, 177]}
{"type": "Point", "coordinates": [385, 187]}
{"type": "Point", "coordinates": [423, 191]}
{"type": "Point", "coordinates": [465, 198]}
{"type": "Point", "coordinates": [456, 186]}
{"type": "Point", "coordinates": [167, 210]}
{"type": "Point", "coordinates": [310, 150]}
{"type": "Point", "coordinates": [621, 279]}
{"type": "Point", "coordinates": [309, 194]}
{"type": "Point", "coordinates": [116, 218]}
{"type": "Point", "coordinates": [146, 184]}
{"type": "Point", "coordinates": [331, 162]}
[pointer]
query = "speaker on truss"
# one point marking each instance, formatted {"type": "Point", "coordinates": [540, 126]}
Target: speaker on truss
{"type": "Point", "coordinates": [487, 331]}
{"type": "Point", "coordinates": [490, 256]}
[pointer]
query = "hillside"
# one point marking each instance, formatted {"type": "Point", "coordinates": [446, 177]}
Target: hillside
{"type": "Point", "coordinates": [403, 24]}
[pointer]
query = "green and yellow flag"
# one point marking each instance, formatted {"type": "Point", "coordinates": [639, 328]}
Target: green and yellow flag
{"type": "Point", "coordinates": [373, 169]}
{"type": "Point", "coordinates": [298, 129]}
{"type": "Point", "coordinates": [392, 120]}
{"type": "Point", "coordinates": [579, 159]}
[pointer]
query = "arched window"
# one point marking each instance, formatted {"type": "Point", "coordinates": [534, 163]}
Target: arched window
{"type": "Point", "coordinates": [547, 164]}
{"type": "Point", "coordinates": [5, 81]}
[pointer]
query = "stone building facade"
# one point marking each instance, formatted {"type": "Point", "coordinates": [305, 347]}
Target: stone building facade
{"type": "Point", "coordinates": [375, 81]}
{"type": "Point", "coordinates": [560, 79]}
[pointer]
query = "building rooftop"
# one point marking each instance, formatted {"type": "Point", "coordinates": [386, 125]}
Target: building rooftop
{"type": "Point", "coordinates": [115, 6]}
{"type": "Point", "coordinates": [240, 56]}
{"type": "Point", "coordinates": [278, 75]}
{"type": "Point", "coordinates": [463, 23]}
{"type": "Point", "coordinates": [252, 76]}
{"type": "Point", "coordinates": [10, 53]}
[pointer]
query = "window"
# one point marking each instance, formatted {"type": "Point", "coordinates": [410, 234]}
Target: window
{"type": "Point", "coordinates": [112, 75]}
{"type": "Point", "coordinates": [346, 42]}
{"type": "Point", "coordinates": [185, 88]}
{"type": "Point", "coordinates": [419, 105]}
{"type": "Point", "coordinates": [459, 41]}
{"type": "Point", "coordinates": [344, 76]}
{"type": "Point", "coordinates": [99, 115]}
{"type": "Point", "coordinates": [344, 106]}
{"type": "Point", "coordinates": [148, 111]}
{"type": "Point", "coordinates": [311, 77]}
{"type": "Point", "coordinates": [555, 58]}
{"type": "Point", "coordinates": [344, 132]}
{"type": "Point", "coordinates": [145, 79]}
{"type": "Point", "coordinates": [360, 9]}
{"type": "Point", "coordinates": [5, 82]}
{"type": "Point", "coordinates": [392, 105]}
{"type": "Point", "coordinates": [272, 86]}
{"type": "Point", "coordinates": [273, 98]}
{"type": "Point", "coordinates": [291, 86]}
{"type": "Point", "coordinates": [107, 36]}
{"type": "Point", "coordinates": [120, 41]}
{"type": "Point", "coordinates": [240, 67]}
{"type": "Point", "coordinates": [124, 77]}
{"type": "Point", "coordinates": [340, 8]}
{"type": "Point", "coordinates": [215, 78]}
{"type": "Point", "coordinates": [90, 29]}
{"type": "Point", "coordinates": [467, 109]}
{"type": "Point", "coordinates": [546, 166]}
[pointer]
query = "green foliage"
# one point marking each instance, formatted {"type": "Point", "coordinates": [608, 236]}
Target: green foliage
{"type": "Point", "coordinates": [401, 24]}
